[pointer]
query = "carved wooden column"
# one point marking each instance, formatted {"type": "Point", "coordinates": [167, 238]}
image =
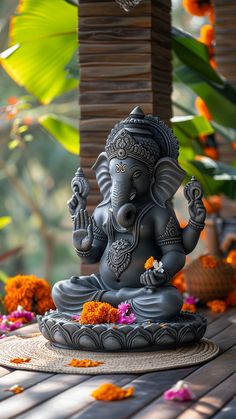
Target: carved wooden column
{"type": "Point", "coordinates": [125, 60]}
{"type": "Point", "coordinates": [225, 50]}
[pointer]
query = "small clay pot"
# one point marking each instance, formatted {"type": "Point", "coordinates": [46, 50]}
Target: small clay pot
{"type": "Point", "coordinates": [208, 283]}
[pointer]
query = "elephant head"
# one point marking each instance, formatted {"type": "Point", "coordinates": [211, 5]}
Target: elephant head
{"type": "Point", "coordinates": [134, 169]}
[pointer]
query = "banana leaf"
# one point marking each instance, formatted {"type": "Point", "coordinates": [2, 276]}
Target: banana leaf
{"type": "Point", "coordinates": [43, 40]}
{"type": "Point", "coordinates": [62, 130]}
{"type": "Point", "coordinates": [4, 221]}
{"type": "Point", "coordinates": [214, 176]}
{"type": "Point", "coordinates": [196, 72]}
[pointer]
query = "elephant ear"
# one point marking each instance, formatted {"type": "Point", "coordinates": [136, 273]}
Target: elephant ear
{"type": "Point", "coordinates": [167, 178]}
{"type": "Point", "coordinates": [101, 168]}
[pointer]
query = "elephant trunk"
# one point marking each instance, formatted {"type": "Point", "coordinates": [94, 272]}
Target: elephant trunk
{"type": "Point", "coordinates": [123, 210]}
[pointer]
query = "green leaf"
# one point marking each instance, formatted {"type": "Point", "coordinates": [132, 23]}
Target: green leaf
{"type": "Point", "coordinates": [215, 177]}
{"type": "Point", "coordinates": [192, 125]}
{"type": "Point", "coordinates": [43, 39]}
{"type": "Point", "coordinates": [3, 277]}
{"type": "Point", "coordinates": [198, 75]}
{"type": "Point", "coordinates": [194, 54]}
{"type": "Point", "coordinates": [4, 221]}
{"type": "Point", "coordinates": [63, 131]}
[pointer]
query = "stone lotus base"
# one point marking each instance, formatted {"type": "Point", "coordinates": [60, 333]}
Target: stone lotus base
{"type": "Point", "coordinates": [64, 332]}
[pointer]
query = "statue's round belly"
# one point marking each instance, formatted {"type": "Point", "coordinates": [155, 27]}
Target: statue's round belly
{"type": "Point", "coordinates": [122, 268]}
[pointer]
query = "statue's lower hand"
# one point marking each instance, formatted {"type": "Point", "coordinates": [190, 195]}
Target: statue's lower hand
{"type": "Point", "coordinates": [83, 231]}
{"type": "Point", "coordinates": [153, 278]}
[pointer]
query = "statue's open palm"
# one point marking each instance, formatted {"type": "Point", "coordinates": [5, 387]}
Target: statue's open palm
{"type": "Point", "coordinates": [83, 231]}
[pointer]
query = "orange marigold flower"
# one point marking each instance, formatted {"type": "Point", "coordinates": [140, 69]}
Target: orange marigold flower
{"type": "Point", "coordinates": [189, 307]}
{"type": "Point", "coordinates": [231, 299]}
{"type": "Point", "coordinates": [16, 389]}
{"type": "Point", "coordinates": [179, 282]}
{"type": "Point", "coordinates": [200, 8]}
{"type": "Point", "coordinates": [202, 108]}
{"type": "Point", "coordinates": [84, 363]}
{"type": "Point", "coordinates": [28, 291]}
{"type": "Point", "coordinates": [149, 263]}
{"type": "Point", "coordinates": [217, 306]}
{"type": "Point", "coordinates": [109, 391]}
{"type": "Point", "coordinates": [208, 261]}
{"type": "Point", "coordinates": [95, 312]}
{"type": "Point", "coordinates": [211, 152]}
{"type": "Point", "coordinates": [234, 145]}
{"type": "Point", "coordinates": [207, 35]}
{"type": "Point", "coordinates": [203, 138]}
{"type": "Point", "coordinates": [20, 360]}
{"type": "Point", "coordinates": [212, 204]}
{"type": "Point", "coordinates": [12, 100]}
{"type": "Point", "coordinates": [231, 257]}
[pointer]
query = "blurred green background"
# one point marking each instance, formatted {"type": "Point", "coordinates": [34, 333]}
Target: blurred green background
{"type": "Point", "coordinates": [34, 181]}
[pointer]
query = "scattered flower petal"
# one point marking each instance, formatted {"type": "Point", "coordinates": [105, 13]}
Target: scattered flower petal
{"type": "Point", "coordinates": [217, 306]}
{"type": "Point", "coordinates": [180, 391]}
{"type": "Point", "coordinates": [84, 363]}
{"type": "Point", "coordinates": [20, 360]}
{"type": "Point", "coordinates": [16, 389]}
{"type": "Point", "coordinates": [109, 392]}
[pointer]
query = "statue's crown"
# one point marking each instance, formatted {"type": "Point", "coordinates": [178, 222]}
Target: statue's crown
{"type": "Point", "coordinates": [143, 137]}
{"type": "Point", "coordinates": [124, 145]}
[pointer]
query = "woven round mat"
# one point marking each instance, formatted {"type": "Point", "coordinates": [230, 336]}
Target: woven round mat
{"type": "Point", "coordinates": [46, 358]}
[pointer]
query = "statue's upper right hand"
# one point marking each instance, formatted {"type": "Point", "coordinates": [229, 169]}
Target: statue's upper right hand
{"type": "Point", "coordinates": [83, 231]}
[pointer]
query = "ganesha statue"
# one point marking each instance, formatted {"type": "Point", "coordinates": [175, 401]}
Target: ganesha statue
{"type": "Point", "coordinates": [138, 174]}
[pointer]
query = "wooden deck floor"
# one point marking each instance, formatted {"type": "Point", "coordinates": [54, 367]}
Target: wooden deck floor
{"type": "Point", "coordinates": [59, 396]}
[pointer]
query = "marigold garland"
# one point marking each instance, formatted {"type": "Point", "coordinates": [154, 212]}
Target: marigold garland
{"type": "Point", "coordinates": [217, 306]}
{"type": "Point", "coordinates": [189, 307]}
{"type": "Point", "coordinates": [179, 282]}
{"type": "Point", "coordinates": [231, 257]}
{"type": "Point", "coordinates": [208, 261]}
{"type": "Point", "coordinates": [109, 392]}
{"type": "Point", "coordinates": [202, 108]}
{"type": "Point", "coordinates": [30, 292]}
{"type": "Point", "coordinates": [84, 363]}
{"type": "Point", "coordinates": [95, 312]}
{"type": "Point", "coordinates": [200, 8]}
{"type": "Point", "coordinates": [212, 204]}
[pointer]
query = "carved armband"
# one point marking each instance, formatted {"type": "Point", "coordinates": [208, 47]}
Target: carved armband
{"type": "Point", "coordinates": [98, 234]}
{"type": "Point", "coordinates": [84, 254]}
{"type": "Point", "coordinates": [171, 235]}
{"type": "Point", "coordinates": [196, 226]}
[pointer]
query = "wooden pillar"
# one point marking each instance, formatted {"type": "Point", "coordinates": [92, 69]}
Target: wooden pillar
{"type": "Point", "coordinates": [225, 51]}
{"type": "Point", "coordinates": [125, 60]}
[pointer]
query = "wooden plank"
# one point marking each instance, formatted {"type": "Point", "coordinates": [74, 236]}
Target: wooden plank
{"type": "Point", "coordinates": [40, 393]}
{"type": "Point", "coordinates": [219, 324]}
{"type": "Point", "coordinates": [109, 9]}
{"type": "Point", "coordinates": [4, 371]}
{"type": "Point", "coordinates": [228, 411]}
{"type": "Point", "coordinates": [111, 110]}
{"type": "Point", "coordinates": [201, 381]}
{"type": "Point", "coordinates": [147, 387]}
{"type": "Point", "coordinates": [213, 401]}
{"type": "Point", "coordinates": [25, 379]}
{"type": "Point", "coordinates": [73, 399]}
